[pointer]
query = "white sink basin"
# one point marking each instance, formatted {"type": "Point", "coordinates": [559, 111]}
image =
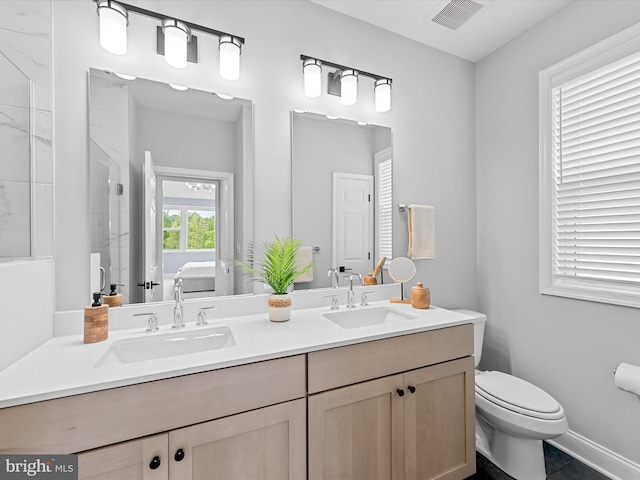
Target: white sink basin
{"type": "Point", "coordinates": [154, 346]}
{"type": "Point", "coordinates": [366, 317]}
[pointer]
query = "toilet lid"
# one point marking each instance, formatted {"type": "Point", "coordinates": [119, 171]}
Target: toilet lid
{"type": "Point", "coordinates": [517, 395]}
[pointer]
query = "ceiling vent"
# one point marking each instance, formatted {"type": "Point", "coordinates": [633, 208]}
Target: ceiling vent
{"type": "Point", "coordinates": [456, 13]}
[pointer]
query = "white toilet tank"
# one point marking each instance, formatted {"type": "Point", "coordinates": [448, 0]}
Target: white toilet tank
{"type": "Point", "coordinates": [479, 320]}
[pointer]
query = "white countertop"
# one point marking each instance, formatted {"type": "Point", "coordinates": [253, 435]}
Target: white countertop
{"type": "Point", "coordinates": [64, 365]}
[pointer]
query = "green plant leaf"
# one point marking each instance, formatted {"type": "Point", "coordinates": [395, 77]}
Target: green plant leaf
{"type": "Point", "coordinates": [274, 263]}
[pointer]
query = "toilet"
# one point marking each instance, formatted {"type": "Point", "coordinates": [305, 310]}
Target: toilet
{"type": "Point", "coordinates": [513, 417]}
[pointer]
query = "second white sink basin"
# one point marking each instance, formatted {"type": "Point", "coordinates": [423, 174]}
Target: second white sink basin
{"type": "Point", "coordinates": [154, 346]}
{"type": "Point", "coordinates": [366, 317]}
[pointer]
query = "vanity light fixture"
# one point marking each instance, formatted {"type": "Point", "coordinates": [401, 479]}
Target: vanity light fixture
{"type": "Point", "coordinates": [230, 50]}
{"type": "Point", "coordinates": [349, 87]}
{"type": "Point", "coordinates": [343, 81]}
{"type": "Point", "coordinates": [382, 93]}
{"type": "Point", "coordinates": [113, 26]}
{"type": "Point", "coordinates": [174, 38]}
{"type": "Point", "coordinates": [312, 74]}
{"type": "Point", "coordinates": [224, 96]}
{"type": "Point", "coordinates": [180, 88]}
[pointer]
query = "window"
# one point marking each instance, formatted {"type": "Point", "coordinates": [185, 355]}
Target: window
{"type": "Point", "coordinates": [384, 205]}
{"type": "Point", "coordinates": [188, 228]}
{"type": "Point", "coordinates": [590, 174]}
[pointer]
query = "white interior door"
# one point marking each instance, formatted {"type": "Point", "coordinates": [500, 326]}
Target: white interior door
{"type": "Point", "coordinates": [152, 275]}
{"type": "Point", "coordinates": [352, 246]}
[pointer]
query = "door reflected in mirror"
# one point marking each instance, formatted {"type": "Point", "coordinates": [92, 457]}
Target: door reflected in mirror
{"type": "Point", "coordinates": [171, 189]}
{"type": "Point", "coordinates": [341, 195]}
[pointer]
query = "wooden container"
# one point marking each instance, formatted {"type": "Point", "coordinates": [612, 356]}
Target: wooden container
{"type": "Point", "coordinates": [96, 324]}
{"type": "Point", "coordinates": [370, 280]}
{"type": "Point", "coordinates": [113, 300]}
{"type": "Point", "coordinates": [420, 296]}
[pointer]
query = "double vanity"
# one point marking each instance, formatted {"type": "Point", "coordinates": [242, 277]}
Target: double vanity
{"type": "Point", "coordinates": [378, 391]}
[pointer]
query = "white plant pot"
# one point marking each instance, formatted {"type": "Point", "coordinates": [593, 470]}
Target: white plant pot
{"type": "Point", "coordinates": [280, 307]}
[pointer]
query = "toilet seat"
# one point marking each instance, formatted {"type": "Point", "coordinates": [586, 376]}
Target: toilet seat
{"type": "Point", "coordinates": [518, 395]}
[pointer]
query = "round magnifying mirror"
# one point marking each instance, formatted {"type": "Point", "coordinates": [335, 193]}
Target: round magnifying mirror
{"type": "Point", "coordinates": [401, 270]}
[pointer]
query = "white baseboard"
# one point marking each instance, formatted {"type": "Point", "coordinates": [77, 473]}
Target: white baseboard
{"type": "Point", "coordinates": [597, 457]}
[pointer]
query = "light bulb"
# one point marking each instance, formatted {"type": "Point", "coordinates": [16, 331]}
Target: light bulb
{"type": "Point", "coordinates": [113, 27]}
{"type": "Point", "coordinates": [382, 92]}
{"type": "Point", "coordinates": [312, 75]}
{"type": "Point", "coordinates": [349, 87]}
{"type": "Point", "coordinates": [176, 36]}
{"type": "Point", "coordinates": [230, 50]}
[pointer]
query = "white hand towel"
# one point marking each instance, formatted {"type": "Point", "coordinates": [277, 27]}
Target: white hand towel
{"type": "Point", "coordinates": [304, 257]}
{"type": "Point", "coordinates": [422, 232]}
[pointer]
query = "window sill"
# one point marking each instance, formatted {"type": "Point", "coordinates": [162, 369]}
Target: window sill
{"type": "Point", "coordinates": [626, 297]}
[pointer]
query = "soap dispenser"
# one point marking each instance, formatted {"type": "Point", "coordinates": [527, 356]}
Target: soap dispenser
{"type": "Point", "coordinates": [96, 321]}
{"type": "Point", "coordinates": [113, 298]}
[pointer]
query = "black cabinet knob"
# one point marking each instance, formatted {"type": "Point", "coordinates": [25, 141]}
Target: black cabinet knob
{"type": "Point", "coordinates": [400, 392]}
{"type": "Point", "coordinates": [179, 456]}
{"type": "Point", "coordinates": [412, 389]}
{"type": "Point", "coordinates": [155, 463]}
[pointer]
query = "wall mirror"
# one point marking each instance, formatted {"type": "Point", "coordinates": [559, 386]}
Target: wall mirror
{"type": "Point", "coordinates": [341, 195]}
{"type": "Point", "coordinates": [171, 188]}
{"type": "Point", "coordinates": [15, 167]}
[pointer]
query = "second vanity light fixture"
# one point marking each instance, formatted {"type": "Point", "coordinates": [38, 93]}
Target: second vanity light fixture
{"type": "Point", "coordinates": [174, 38]}
{"type": "Point", "coordinates": [343, 82]}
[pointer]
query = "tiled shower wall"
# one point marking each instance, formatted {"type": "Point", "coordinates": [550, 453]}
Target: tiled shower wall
{"type": "Point", "coordinates": [25, 40]}
{"type": "Point", "coordinates": [26, 287]}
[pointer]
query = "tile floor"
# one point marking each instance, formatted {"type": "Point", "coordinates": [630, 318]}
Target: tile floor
{"type": "Point", "coordinates": [559, 465]}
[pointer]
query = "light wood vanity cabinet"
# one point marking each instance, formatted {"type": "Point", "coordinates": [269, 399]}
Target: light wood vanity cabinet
{"type": "Point", "coordinates": [396, 408]}
{"type": "Point", "coordinates": [412, 423]}
{"type": "Point", "coordinates": [264, 443]}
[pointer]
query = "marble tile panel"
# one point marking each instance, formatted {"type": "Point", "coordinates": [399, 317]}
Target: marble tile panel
{"type": "Point", "coordinates": [110, 94]}
{"type": "Point", "coordinates": [32, 55]}
{"type": "Point", "coordinates": [43, 147]}
{"type": "Point", "coordinates": [115, 130]}
{"type": "Point", "coordinates": [43, 221]}
{"type": "Point", "coordinates": [15, 87]}
{"type": "Point", "coordinates": [32, 17]}
{"type": "Point", "coordinates": [15, 220]}
{"type": "Point", "coordinates": [15, 148]}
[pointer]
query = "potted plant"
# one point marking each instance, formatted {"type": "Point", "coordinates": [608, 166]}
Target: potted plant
{"type": "Point", "coordinates": [276, 264]}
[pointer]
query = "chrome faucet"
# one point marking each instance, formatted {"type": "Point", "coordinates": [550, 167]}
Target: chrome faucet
{"type": "Point", "coordinates": [177, 309]}
{"type": "Point", "coordinates": [333, 273]}
{"type": "Point", "coordinates": [350, 295]}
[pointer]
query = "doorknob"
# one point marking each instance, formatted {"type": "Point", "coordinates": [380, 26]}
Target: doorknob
{"type": "Point", "coordinates": [155, 463]}
{"type": "Point", "coordinates": [412, 389]}
{"type": "Point", "coordinates": [400, 392]}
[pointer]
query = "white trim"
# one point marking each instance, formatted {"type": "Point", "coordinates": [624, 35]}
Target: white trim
{"type": "Point", "coordinates": [609, 50]}
{"type": "Point", "coordinates": [597, 457]}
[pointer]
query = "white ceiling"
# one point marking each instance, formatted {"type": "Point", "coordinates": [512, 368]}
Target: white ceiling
{"type": "Point", "coordinates": [493, 26]}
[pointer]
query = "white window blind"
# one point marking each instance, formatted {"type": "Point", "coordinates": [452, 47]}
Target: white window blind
{"type": "Point", "coordinates": [595, 152]}
{"type": "Point", "coordinates": [384, 231]}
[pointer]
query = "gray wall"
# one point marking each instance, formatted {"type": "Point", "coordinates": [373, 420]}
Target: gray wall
{"type": "Point", "coordinates": [567, 347]}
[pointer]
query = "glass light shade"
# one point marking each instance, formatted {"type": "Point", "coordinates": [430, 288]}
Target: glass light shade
{"type": "Point", "coordinates": [312, 73]}
{"type": "Point", "coordinates": [230, 57]}
{"type": "Point", "coordinates": [349, 87]}
{"type": "Point", "coordinates": [382, 91]}
{"type": "Point", "coordinates": [176, 36]}
{"type": "Point", "coordinates": [113, 27]}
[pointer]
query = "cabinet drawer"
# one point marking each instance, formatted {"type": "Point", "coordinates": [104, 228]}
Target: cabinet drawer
{"type": "Point", "coordinates": [90, 420]}
{"type": "Point", "coordinates": [341, 366]}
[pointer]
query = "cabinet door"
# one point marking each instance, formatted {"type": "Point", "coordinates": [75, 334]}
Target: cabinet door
{"type": "Point", "coordinates": [356, 432]}
{"type": "Point", "coordinates": [440, 421]}
{"type": "Point", "coordinates": [143, 459]}
{"type": "Point", "coordinates": [268, 443]}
